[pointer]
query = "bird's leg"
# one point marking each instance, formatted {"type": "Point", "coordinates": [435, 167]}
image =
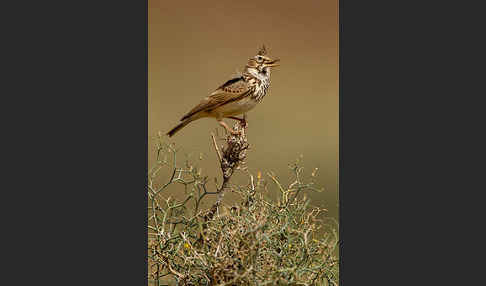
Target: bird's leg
{"type": "Point", "coordinates": [245, 123]}
{"type": "Point", "coordinates": [241, 120]}
{"type": "Point", "coordinates": [222, 123]}
{"type": "Point", "coordinates": [236, 118]}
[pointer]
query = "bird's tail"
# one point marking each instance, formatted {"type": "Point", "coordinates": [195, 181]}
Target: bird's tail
{"type": "Point", "coordinates": [178, 127]}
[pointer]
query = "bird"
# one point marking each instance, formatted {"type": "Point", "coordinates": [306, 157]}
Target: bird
{"type": "Point", "coordinates": [236, 96]}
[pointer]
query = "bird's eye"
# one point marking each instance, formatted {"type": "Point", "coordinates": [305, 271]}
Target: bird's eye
{"type": "Point", "coordinates": [259, 58]}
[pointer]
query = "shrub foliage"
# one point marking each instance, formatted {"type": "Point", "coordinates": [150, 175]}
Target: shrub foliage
{"type": "Point", "coordinates": [256, 241]}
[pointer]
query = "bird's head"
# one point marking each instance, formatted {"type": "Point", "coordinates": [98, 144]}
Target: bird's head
{"type": "Point", "coordinates": [261, 63]}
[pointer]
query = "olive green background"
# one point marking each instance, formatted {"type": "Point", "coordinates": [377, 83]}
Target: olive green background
{"type": "Point", "coordinates": [195, 46]}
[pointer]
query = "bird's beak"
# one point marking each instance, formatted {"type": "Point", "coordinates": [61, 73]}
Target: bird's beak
{"type": "Point", "coordinates": [273, 63]}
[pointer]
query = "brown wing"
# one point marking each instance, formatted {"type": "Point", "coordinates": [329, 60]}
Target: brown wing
{"type": "Point", "coordinates": [232, 90]}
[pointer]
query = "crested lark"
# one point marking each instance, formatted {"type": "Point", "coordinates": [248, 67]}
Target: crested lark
{"type": "Point", "coordinates": [237, 96]}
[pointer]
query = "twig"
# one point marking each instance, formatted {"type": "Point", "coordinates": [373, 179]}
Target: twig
{"type": "Point", "coordinates": [231, 157]}
{"type": "Point", "coordinates": [216, 147]}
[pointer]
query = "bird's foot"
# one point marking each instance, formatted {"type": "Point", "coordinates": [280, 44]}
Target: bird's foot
{"type": "Point", "coordinates": [228, 129]}
{"type": "Point", "coordinates": [242, 121]}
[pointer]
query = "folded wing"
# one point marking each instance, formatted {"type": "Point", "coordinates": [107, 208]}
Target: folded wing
{"type": "Point", "coordinates": [233, 89]}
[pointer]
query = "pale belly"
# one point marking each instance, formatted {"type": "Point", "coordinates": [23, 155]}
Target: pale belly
{"type": "Point", "coordinates": [236, 107]}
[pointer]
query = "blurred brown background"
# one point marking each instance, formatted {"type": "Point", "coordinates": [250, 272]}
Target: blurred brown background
{"type": "Point", "coordinates": [196, 46]}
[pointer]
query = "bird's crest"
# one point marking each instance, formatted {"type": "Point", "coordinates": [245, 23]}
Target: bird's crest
{"type": "Point", "coordinates": [262, 51]}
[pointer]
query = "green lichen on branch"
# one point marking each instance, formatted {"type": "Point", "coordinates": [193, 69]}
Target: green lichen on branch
{"type": "Point", "coordinates": [256, 241]}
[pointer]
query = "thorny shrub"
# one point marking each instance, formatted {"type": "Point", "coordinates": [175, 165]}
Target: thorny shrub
{"type": "Point", "coordinates": [257, 241]}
